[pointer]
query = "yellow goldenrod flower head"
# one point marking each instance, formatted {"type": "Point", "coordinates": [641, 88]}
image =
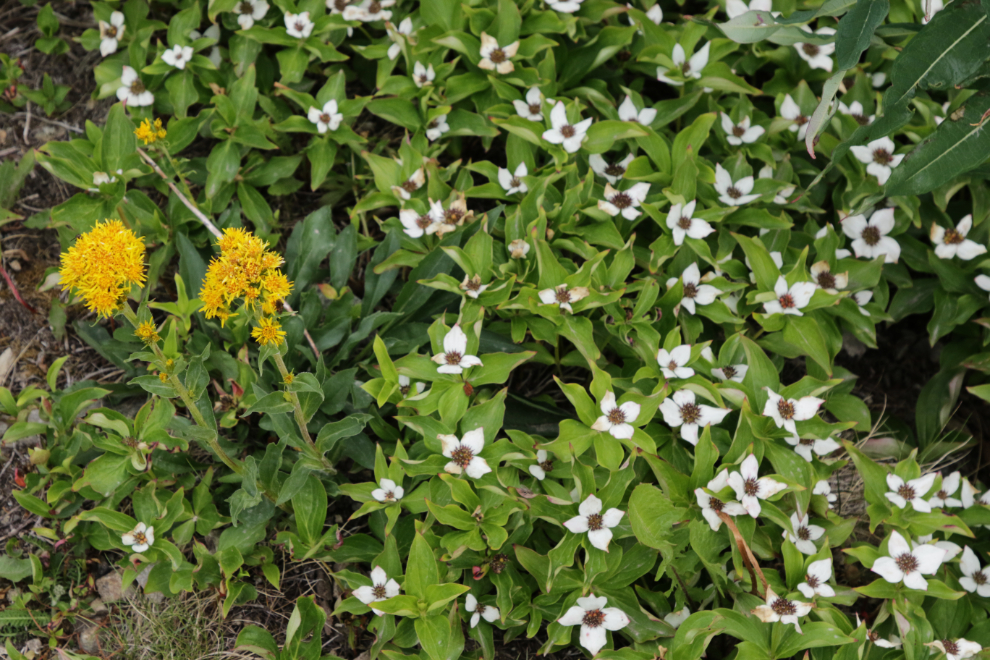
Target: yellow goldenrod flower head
{"type": "Point", "coordinates": [150, 133]}
{"type": "Point", "coordinates": [268, 332]}
{"type": "Point", "coordinates": [169, 363]}
{"type": "Point", "coordinates": [289, 377]}
{"type": "Point", "coordinates": [163, 377]}
{"type": "Point", "coordinates": [246, 270]}
{"type": "Point", "coordinates": [102, 265]}
{"type": "Point", "coordinates": [147, 332]}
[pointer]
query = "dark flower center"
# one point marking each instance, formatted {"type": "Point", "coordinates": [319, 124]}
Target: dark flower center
{"type": "Point", "coordinates": [783, 607]}
{"type": "Point", "coordinates": [980, 577]}
{"type": "Point", "coordinates": [325, 118]}
{"type": "Point", "coordinates": [801, 120]}
{"type": "Point", "coordinates": [690, 290]}
{"type": "Point", "coordinates": [906, 492]}
{"type": "Point", "coordinates": [480, 609]}
{"type": "Point", "coordinates": [390, 495]}
{"type": "Point", "coordinates": [424, 221]}
{"type": "Point", "coordinates": [615, 170]}
{"type": "Point", "coordinates": [690, 413]}
{"type": "Point", "coordinates": [499, 562]}
{"type": "Point", "coordinates": [594, 522]}
{"type": "Point", "coordinates": [803, 533]}
{"type": "Point", "coordinates": [807, 442]}
{"type": "Point", "coordinates": [907, 563]}
{"type": "Point", "coordinates": [534, 108]}
{"type": "Point", "coordinates": [751, 487]}
{"type": "Point", "coordinates": [340, 5]}
{"type": "Point", "coordinates": [684, 223]}
{"type": "Point", "coordinates": [826, 280]}
{"type": "Point", "coordinates": [462, 456]}
{"type": "Point", "coordinates": [374, 7]}
{"type": "Point", "coordinates": [404, 390]}
{"type": "Point", "coordinates": [812, 581]}
{"type": "Point", "coordinates": [568, 131]}
{"type": "Point", "coordinates": [299, 26]}
{"type": "Point", "coordinates": [593, 618]}
{"type": "Point", "coordinates": [410, 186]}
{"type": "Point", "coordinates": [811, 50]}
{"type": "Point", "coordinates": [785, 409]}
{"type": "Point", "coordinates": [729, 371]}
{"type": "Point", "coordinates": [140, 538]}
{"type": "Point", "coordinates": [616, 416]}
{"type": "Point", "coordinates": [862, 120]}
{"type": "Point", "coordinates": [787, 301]}
{"type": "Point", "coordinates": [473, 284]}
{"type": "Point", "coordinates": [941, 494]}
{"type": "Point", "coordinates": [686, 68]}
{"type": "Point", "coordinates": [950, 647]}
{"type": "Point", "coordinates": [137, 87]}
{"type": "Point", "coordinates": [378, 591]}
{"type": "Point", "coordinates": [563, 295]}
{"type": "Point", "coordinates": [515, 182]}
{"type": "Point", "coordinates": [111, 31]}
{"type": "Point", "coordinates": [953, 237]}
{"type": "Point", "coordinates": [497, 56]}
{"type": "Point", "coordinates": [453, 215]}
{"type": "Point", "coordinates": [423, 78]}
{"type": "Point", "coordinates": [738, 131]}
{"type": "Point", "coordinates": [714, 503]}
{"type": "Point", "coordinates": [871, 235]}
{"type": "Point", "coordinates": [622, 201]}
{"type": "Point", "coordinates": [547, 465]}
{"type": "Point", "coordinates": [881, 156]}
{"type": "Point", "coordinates": [734, 192]}
{"type": "Point", "coordinates": [454, 357]}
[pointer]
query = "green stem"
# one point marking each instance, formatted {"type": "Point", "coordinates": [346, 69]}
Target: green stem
{"type": "Point", "coordinates": [301, 419]}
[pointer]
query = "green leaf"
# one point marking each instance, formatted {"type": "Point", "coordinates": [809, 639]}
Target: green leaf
{"type": "Point", "coordinates": [118, 139]}
{"type": "Point", "coordinates": [421, 569]}
{"type": "Point", "coordinates": [653, 517]}
{"type": "Point", "coordinates": [749, 28]}
{"type": "Point", "coordinates": [603, 135]}
{"type": "Point", "coordinates": [856, 29]}
{"type": "Point", "coordinates": [310, 507]}
{"type": "Point", "coordinates": [812, 635]}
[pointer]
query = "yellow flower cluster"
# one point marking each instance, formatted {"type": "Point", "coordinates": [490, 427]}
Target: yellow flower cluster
{"type": "Point", "coordinates": [150, 134]}
{"type": "Point", "coordinates": [147, 332]}
{"type": "Point", "coordinates": [102, 265]}
{"type": "Point", "coordinates": [245, 269]}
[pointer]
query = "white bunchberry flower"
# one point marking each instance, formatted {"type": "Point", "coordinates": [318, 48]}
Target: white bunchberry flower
{"type": "Point", "coordinates": [879, 158]}
{"type": "Point", "coordinates": [785, 412]}
{"type": "Point", "coordinates": [675, 619]}
{"type": "Point", "coordinates": [140, 538]}
{"type": "Point", "coordinates": [416, 225]}
{"type": "Point", "coordinates": [778, 608]}
{"type": "Point", "coordinates": [563, 296]}
{"type": "Point", "coordinates": [951, 549]}
{"type": "Point", "coordinates": [437, 127]}
{"type": "Point", "coordinates": [478, 611]}
{"type": "Point", "coordinates": [388, 491]}
{"type": "Point", "coordinates": [736, 8]}
{"type": "Point", "coordinates": [327, 119]}
{"type": "Point", "coordinates": [695, 293]}
{"type": "Point", "coordinates": [513, 182]}
{"type": "Point", "coordinates": [944, 499]}
{"type": "Point", "coordinates": [953, 242]}
{"type": "Point", "coordinates": [807, 447]}
{"type": "Point", "coordinates": [790, 300]}
{"type": "Point", "coordinates": [423, 75]}
{"type": "Point", "coordinates": [612, 172]}
{"type": "Point", "coordinates": [628, 112]}
{"type": "Point", "coordinates": [681, 223]}
{"type": "Point", "coordinates": [741, 133]}
{"type": "Point", "coordinates": [816, 580]}
{"type": "Point", "coordinates": [518, 249]}
{"type": "Point", "coordinates": [382, 588]}
{"type": "Point", "coordinates": [132, 91]}
{"type": "Point", "coordinates": [799, 121]}
{"type": "Point", "coordinates": [298, 25]}
{"type": "Point", "coordinates": [975, 579]}
{"type": "Point", "coordinates": [411, 185]}
{"type": "Point", "coordinates": [624, 202]}
{"type": "Point", "coordinates": [406, 386]}
{"type": "Point", "coordinates": [824, 278]}
{"type": "Point", "coordinates": [906, 565]}
{"type": "Point", "coordinates": [99, 178]}
{"type": "Point", "coordinates": [687, 68]}
{"type": "Point", "coordinates": [463, 453]}
{"type": "Point", "coordinates": [731, 372]}
{"type": "Point", "coordinates": [249, 11]}
{"type": "Point", "coordinates": [804, 535]}
{"type": "Point", "coordinates": [673, 363]}
{"type": "Point", "coordinates": [110, 33]}
{"type": "Point", "coordinates": [711, 506]}
{"type": "Point", "coordinates": [495, 58]}
{"type": "Point", "coordinates": [818, 56]}
{"type": "Point", "coordinates": [594, 618]}
{"type": "Point", "coordinates": [532, 107]}
{"type": "Point", "coordinates": [543, 465]}
{"type": "Point", "coordinates": [681, 410]}
{"type": "Point", "coordinates": [822, 488]}
{"type": "Point", "coordinates": [861, 298]}
{"type": "Point", "coordinates": [562, 132]}
{"type": "Point", "coordinates": [397, 34]}
{"type": "Point", "coordinates": [473, 287]}
{"type": "Point", "coordinates": [369, 11]}
{"type": "Point", "coordinates": [856, 111]}
{"type": "Point", "coordinates": [615, 419]}
{"type": "Point", "coordinates": [931, 8]}
{"type": "Point", "coordinates": [750, 487]}
{"type": "Point", "coordinates": [564, 6]}
{"type": "Point", "coordinates": [733, 194]}
{"type": "Point", "coordinates": [454, 359]}
{"type": "Point", "coordinates": [956, 649]}
{"type": "Point", "coordinates": [911, 492]}
{"type": "Point", "coordinates": [598, 525]}
{"type": "Point", "coordinates": [870, 239]}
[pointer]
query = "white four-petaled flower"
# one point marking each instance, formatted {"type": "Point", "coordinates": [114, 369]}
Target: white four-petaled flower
{"type": "Point", "coordinates": [298, 25]}
{"type": "Point", "coordinates": [944, 497]}
{"type": "Point", "coordinates": [806, 448]}
{"type": "Point", "coordinates": [906, 565]}
{"type": "Point", "coordinates": [410, 185]}
{"type": "Point", "coordinates": [731, 372]}
{"type": "Point", "coordinates": [496, 58]}
{"type": "Point", "coordinates": [741, 133]}
{"type": "Point", "coordinates": [681, 223]}
{"type": "Point", "coordinates": [688, 68]}
{"type": "Point", "coordinates": [518, 249]}
{"type": "Point", "coordinates": [804, 535]}
{"type": "Point", "coordinates": [879, 158]}
{"type": "Point", "coordinates": [397, 34]}
{"type": "Point", "coordinates": [132, 91]}
{"type": "Point", "coordinates": [532, 107]}
{"type": "Point", "coordinates": [563, 296]}
{"type": "Point", "coordinates": [562, 132]}
{"type": "Point", "coordinates": [711, 506]}
{"type": "Point", "coordinates": [423, 75]}
{"type": "Point", "coordinates": [628, 112]}
{"type": "Point", "coordinates": [785, 412]}
{"type": "Point", "coordinates": [437, 127]}
{"type": "Point", "coordinates": [454, 359]}
{"type": "Point", "coordinates": [479, 611]}
{"type": "Point", "coordinates": [816, 580]}
{"type": "Point", "coordinates": [140, 538]}
{"type": "Point", "coordinates": [327, 119]}
{"type": "Point", "coordinates": [818, 56]}
{"type": "Point", "coordinates": [616, 418]}
{"type": "Point", "coordinates": [695, 293]}
{"type": "Point", "coordinates": [388, 491]}
{"type": "Point", "coordinates": [790, 300]}
{"type": "Point", "coordinates": [825, 279]}
{"type": "Point", "coordinates": [463, 453]}
{"type": "Point", "coordinates": [594, 618]}
{"type": "Point", "coordinates": [673, 364]}
{"type": "Point", "coordinates": [598, 525]}
{"type": "Point", "coordinates": [473, 287]}
{"type": "Point", "coordinates": [681, 410]}
{"type": "Point", "coordinates": [956, 649]}
{"type": "Point", "coordinates": [406, 386]}
{"type": "Point", "coordinates": [750, 487]}
{"type": "Point", "coordinates": [733, 193]}
{"type": "Point", "coordinates": [249, 11]}
{"type": "Point", "coordinates": [382, 588]}
{"type": "Point", "coordinates": [856, 111]}
{"type": "Point", "coordinates": [624, 202]}
{"type": "Point", "coordinates": [543, 465]}
{"type": "Point", "coordinates": [911, 492]}
{"type": "Point", "coordinates": [799, 121]}
{"type": "Point", "coordinates": [612, 172]}
{"type": "Point", "coordinates": [870, 239]}
{"type": "Point", "coordinates": [975, 579]}
{"type": "Point", "coordinates": [778, 608]}
{"type": "Point", "coordinates": [513, 182]}
{"type": "Point", "coordinates": [953, 242]}
{"type": "Point", "coordinates": [110, 33]}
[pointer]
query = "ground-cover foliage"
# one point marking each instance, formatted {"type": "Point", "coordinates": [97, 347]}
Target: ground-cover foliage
{"type": "Point", "coordinates": [556, 357]}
